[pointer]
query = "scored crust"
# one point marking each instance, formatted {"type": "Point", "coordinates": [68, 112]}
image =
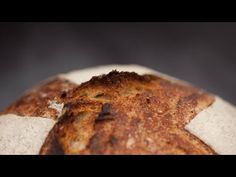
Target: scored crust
{"type": "Point", "coordinates": [117, 113]}
{"type": "Point", "coordinates": [126, 113]}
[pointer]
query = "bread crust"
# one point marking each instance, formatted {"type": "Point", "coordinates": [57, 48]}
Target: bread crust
{"type": "Point", "coordinates": [117, 113]}
{"type": "Point", "coordinates": [126, 113]}
{"type": "Point", "coordinates": [37, 101]}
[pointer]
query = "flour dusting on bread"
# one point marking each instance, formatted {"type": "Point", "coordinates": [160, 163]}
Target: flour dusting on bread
{"type": "Point", "coordinates": [23, 135]}
{"type": "Point", "coordinates": [26, 124]}
{"type": "Point", "coordinates": [216, 126]}
{"type": "Point", "coordinates": [53, 104]}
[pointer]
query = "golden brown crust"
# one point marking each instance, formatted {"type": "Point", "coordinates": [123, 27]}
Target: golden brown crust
{"type": "Point", "coordinates": [125, 113]}
{"type": "Point", "coordinates": [36, 102]}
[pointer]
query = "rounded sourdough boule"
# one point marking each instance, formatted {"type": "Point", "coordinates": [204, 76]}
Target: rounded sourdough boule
{"type": "Point", "coordinates": [115, 113]}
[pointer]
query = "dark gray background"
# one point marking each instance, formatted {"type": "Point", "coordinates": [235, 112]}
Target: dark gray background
{"type": "Point", "coordinates": [201, 53]}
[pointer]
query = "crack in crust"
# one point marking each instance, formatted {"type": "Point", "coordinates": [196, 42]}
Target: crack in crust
{"type": "Point", "coordinates": [125, 113]}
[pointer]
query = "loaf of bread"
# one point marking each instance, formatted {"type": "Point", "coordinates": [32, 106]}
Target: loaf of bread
{"type": "Point", "coordinates": [117, 109]}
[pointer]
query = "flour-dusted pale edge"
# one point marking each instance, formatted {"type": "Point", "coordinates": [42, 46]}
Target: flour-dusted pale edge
{"type": "Point", "coordinates": [23, 135]}
{"type": "Point", "coordinates": [216, 126]}
{"type": "Point", "coordinates": [53, 104]}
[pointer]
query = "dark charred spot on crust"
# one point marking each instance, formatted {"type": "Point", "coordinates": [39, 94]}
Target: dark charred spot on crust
{"type": "Point", "coordinates": [148, 100]}
{"type": "Point", "coordinates": [99, 95]}
{"type": "Point", "coordinates": [106, 109]}
{"type": "Point", "coordinates": [63, 94]}
{"type": "Point", "coordinates": [102, 96]}
{"type": "Point", "coordinates": [106, 113]}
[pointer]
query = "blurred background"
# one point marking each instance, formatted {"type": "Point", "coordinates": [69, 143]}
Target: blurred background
{"type": "Point", "coordinates": [201, 53]}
